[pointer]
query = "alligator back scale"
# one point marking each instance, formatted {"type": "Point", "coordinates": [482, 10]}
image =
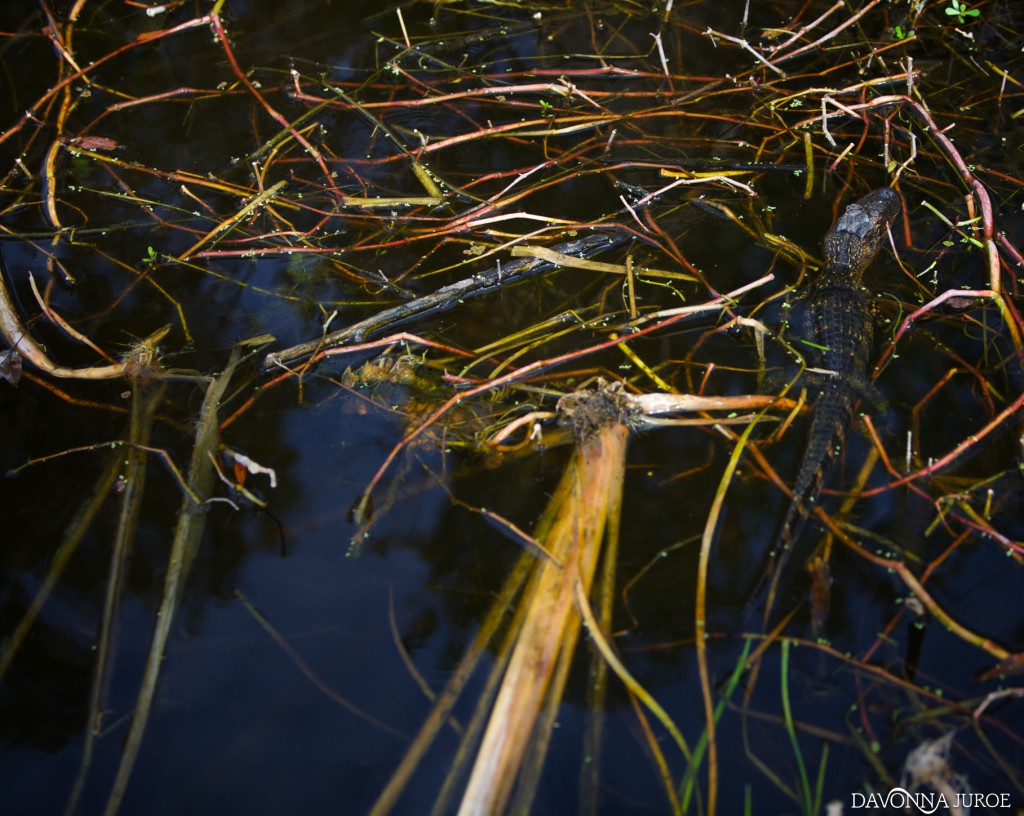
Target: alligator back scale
{"type": "Point", "coordinates": [838, 330]}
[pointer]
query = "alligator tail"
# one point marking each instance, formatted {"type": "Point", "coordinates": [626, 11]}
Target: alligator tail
{"type": "Point", "coordinates": [826, 438]}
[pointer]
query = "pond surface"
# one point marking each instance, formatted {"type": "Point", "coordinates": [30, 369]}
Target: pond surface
{"type": "Point", "coordinates": [283, 171]}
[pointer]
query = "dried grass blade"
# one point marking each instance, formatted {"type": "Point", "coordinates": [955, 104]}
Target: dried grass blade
{"type": "Point", "coordinates": [536, 754]}
{"type": "Point", "coordinates": [700, 613]}
{"type": "Point", "coordinates": [255, 203]}
{"type": "Point", "coordinates": [57, 320]}
{"type": "Point", "coordinates": [595, 473]}
{"type": "Point", "coordinates": [144, 408]}
{"type": "Point", "coordinates": [571, 261]}
{"type": "Point", "coordinates": [597, 687]}
{"type": "Point", "coordinates": [446, 699]}
{"type": "Point", "coordinates": [530, 776]}
{"type": "Point", "coordinates": [389, 203]}
{"type": "Point", "coordinates": [463, 761]}
{"type": "Point", "coordinates": [631, 682]}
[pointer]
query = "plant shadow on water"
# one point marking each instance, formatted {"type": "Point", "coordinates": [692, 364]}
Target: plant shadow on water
{"type": "Point", "coordinates": [340, 321]}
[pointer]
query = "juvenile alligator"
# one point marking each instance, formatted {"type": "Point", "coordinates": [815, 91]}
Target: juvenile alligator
{"type": "Point", "coordinates": [837, 329]}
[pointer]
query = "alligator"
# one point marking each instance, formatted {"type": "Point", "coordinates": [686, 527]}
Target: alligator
{"type": "Point", "coordinates": [837, 329]}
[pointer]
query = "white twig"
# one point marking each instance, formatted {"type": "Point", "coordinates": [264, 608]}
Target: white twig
{"type": "Point", "coordinates": [745, 46]}
{"type": "Point", "coordinates": [796, 35]}
{"type": "Point", "coordinates": [913, 155]}
{"type": "Point", "coordinates": [661, 55]}
{"type": "Point", "coordinates": [840, 157]}
{"type": "Point", "coordinates": [633, 213]}
{"type": "Point", "coordinates": [832, 33]}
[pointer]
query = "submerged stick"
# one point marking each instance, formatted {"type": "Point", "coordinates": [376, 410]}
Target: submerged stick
{"type": "Point", "coordinates": [201, 479]}
{"type": "Point", "coordinates": [73, 535]}
{"type": "Point", "coordinates": [144, 406]}
{"type": "Point", "coordinates": [597, 685]}
{"type": "Point", "coordinates": [20, 340]}
{"type": "Point", "coordinates": [447, 297]}
{"type": "Point", "coordinates": [446, 699]}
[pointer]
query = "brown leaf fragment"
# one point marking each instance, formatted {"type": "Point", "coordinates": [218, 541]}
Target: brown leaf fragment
{"type": "Point", "coordinates": [820, 593]}
{"type": "Point", "coordinates": [94, 143]}
{"type": "Point", "coordinates": [10, 366]}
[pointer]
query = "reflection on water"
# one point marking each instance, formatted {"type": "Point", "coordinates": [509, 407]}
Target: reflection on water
{"type": "Point", "coordinates": [297, 672]}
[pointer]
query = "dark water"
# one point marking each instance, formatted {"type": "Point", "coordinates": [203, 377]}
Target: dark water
{"type": "Point", "coordinates": [242, 725]}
